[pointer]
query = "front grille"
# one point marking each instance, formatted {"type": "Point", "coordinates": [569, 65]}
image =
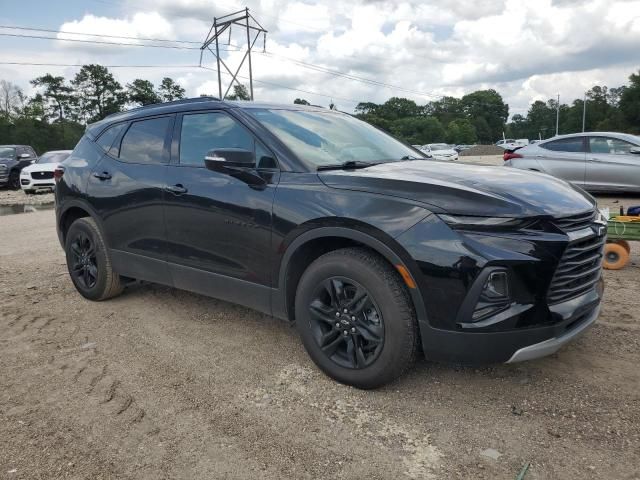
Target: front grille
{"type": "Point", "coordinates": [3, 168]}
{"type": "Point", "coordinates": [578, 270]}
{"type": "Point", "coordinates": [575, 222]}
{"type": "Point", "coordinates": [42, 175]}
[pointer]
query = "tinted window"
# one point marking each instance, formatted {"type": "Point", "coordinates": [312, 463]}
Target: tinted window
{"type": "Point", "coordinates": [264, 158]}
{"type": "Point", "coordinates": [108, 136]}
{"type": "Point", "coordinates": [203, 132]}
{"type": "Point", "coordinates": [613, 146]}
{"type": "Point", "coordinates": [565, 145]}
{"type": "Point", "coordinates": [7, 152]}
{"type": "Point", "coordinates": [144, 141]}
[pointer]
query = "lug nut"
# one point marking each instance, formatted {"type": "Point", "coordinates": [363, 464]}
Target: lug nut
{"type": "Point", "coordinates": [337, 314]}
{"type": "Point", "coordinates": [345, 310]}
{"type": "Point", "coordinates": [345, 333]}
{"type": "Point", "coordinates": [353, 319]}
{"type": "Point", "coordinates": [337, 325]}
{"type": "Point", "coordinates": [353, 330]}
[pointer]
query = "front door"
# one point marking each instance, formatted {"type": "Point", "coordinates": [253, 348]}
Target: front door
{"type": "Point", "coordinates": [219, 226]}
{"type": "Point", "coordinates": [611, 166]}
{"type": "Point", "coordinates": [564, 158]}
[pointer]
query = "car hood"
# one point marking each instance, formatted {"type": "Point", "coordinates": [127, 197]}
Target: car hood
{"type": "Point", "coordinates": [466, 189]}
{"type": "Point", "coordinates": [40, 167]}
{"type": "Point", "coordinates": [443, 152]}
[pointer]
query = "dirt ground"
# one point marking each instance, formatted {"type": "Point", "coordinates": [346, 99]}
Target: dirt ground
{"type": "Point", "coordinates": [161, 383]}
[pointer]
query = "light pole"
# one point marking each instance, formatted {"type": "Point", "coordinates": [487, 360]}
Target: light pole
{"type": "Point", "coordinates": [584, 110]}
{"type": "Point", "coordinates": [557, 114]}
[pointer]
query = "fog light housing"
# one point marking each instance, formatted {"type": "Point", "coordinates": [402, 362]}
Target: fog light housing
{"type": "Point", "coordinates": [497, 285]}
{"type": "Point", "coordinates": [494, 296]}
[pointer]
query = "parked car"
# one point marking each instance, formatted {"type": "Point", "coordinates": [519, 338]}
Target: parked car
{"type": "Point", "coordinates": [39, 175]}
{"type": "Point", "coordinates": [14, 158]}
{"type": "Point", "coordinates": [317, 218]}
{"type": "Point", "coordinates": [595, 161]}
{"type": "Point", "coordinates": [511, 144]}
{"type": "Point", "coordinates": [462, 148]}
{"type": "Point", "coordinates": [440, 151]}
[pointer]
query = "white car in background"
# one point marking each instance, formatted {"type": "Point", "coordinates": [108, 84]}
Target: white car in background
{"type": "Point", "coordinates": [511, 144]}
{"type": "Point", "coordinates": [440, 151]}
{"type": "Point", "coordinates": [39, 175]}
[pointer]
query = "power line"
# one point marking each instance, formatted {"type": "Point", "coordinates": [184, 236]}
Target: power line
{"type": "Point", "coordinates": [310, 66]}
{"type": "Point", "coordinates": [11, 27]}
{"type": "Point", "coordinates": [309, 92]}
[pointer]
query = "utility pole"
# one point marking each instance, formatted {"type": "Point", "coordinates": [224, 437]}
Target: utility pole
{"type": "Point", "coordinates": [558, 114]}
{"type": "Point", "coordinates": [241, 18]}
{"type": "Point", "coordinates": [584, 110]}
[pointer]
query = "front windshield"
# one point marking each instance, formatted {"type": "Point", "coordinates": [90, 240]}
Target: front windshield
{"type": "Point", "coordinates": [53, 157]}
{"type": "Point", "coordinates": [7, 152]}
{"type": "Point", "coordinates": [440, 146]}
{"type": "Point", "coordinates": [330, 138]}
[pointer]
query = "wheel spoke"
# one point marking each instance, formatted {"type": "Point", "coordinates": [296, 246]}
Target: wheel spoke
{"type": "Point", "coordinates": [321, 312]}
{"type": "Point", "coordinates": [85, 277]}
{"type": "Point", "coordinates": [330, 348]}
{"type": "Point", "coordinates": [360, 359]}
{"type": "Point", "coordinates": [360, 298]}
{"type": "Point", "coordinates": [371, 333]}
{"type": "Point", "coordinates": [328, 337]}
{"type": "Point", "coordinates": [93, 272]}
{"type": "Point", "coordinates": [330, 287]}
{"type": "Point", "coordinates": [75, 248]}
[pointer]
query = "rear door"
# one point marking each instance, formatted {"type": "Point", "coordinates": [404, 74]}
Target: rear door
{"type": "Point", "coordinates": [126, 188]}
{"type": "Point", "coordinates": [219, 226]}
{"type": "Point", "coordinates": [564, 158]}
{"type": "Point", "coordinates": [611, 166]}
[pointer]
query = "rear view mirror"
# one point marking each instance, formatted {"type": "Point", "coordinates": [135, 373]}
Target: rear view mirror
{"type": "Point", "coordinates": [635, 150]}
{"type": "Point", "coordinates": [221, 159]}
{"type": "Point", "coordinates": [24, 155]}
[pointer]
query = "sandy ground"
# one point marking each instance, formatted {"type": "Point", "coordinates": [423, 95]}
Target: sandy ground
{"type": "Point", "coordinates": [161, 383]}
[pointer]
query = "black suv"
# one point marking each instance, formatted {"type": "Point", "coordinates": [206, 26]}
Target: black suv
{"type": "Point", "coordinates": [13, 158]}
{"type": "Point", "coordinates": [314, 216]}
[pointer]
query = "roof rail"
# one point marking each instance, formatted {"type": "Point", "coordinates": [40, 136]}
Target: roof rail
{"type": "Point", "coordinates": [173, 102]}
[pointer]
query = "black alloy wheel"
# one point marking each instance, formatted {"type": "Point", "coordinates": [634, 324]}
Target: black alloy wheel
{"type": "Point", "coordinates": [346, 323]}
{"type": "Point", "coordinates": [84, 267]}
{"type": "Point", "coordinates": [14, 180]}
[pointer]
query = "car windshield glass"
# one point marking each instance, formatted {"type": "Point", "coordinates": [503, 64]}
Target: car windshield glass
{"type": "Point", "coordinates": [330, 138]}
{"type": "Point", "coordinates": [53, 157]}
{"type": "Point", "coordinates": [440, 146]}
{"type": "Point", "coordinates": [7, 152]}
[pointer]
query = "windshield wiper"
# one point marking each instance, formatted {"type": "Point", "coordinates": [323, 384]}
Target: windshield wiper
{"type": "Point", "coordinates": [348, 165]}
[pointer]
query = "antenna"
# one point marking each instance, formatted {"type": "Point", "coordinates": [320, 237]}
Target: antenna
{"type": "Point", "coordinates": [243, 19]}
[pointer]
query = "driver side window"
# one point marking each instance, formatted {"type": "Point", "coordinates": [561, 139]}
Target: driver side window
{"type": "Point", "coordinates": [202, 132]}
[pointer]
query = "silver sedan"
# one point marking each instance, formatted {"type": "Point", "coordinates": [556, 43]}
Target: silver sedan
{"type": "Point", "coordinates": [595, 161]}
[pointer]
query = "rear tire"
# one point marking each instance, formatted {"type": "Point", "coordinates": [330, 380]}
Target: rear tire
{"type": "Point", "coordinates": [376, 339]}
{"type": "Point", "coordinates": [89, 263]}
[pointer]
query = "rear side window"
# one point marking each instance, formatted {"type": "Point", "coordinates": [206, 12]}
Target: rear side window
{"type": "Point", "coordinates": [203, 132]}
{"type": "Point", "coordinates": [107, 138]}
{"type": "Point", "coordinates": [609, 145]}
{"type": "Point", "coordinates": [144, 141]}
{"type": "Point", "coordinates": [575, 145]}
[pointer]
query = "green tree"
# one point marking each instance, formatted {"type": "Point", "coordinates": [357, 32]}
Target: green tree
{"type": "Point", "coordinates": [489, 105]}
{"type": "Point", "coordinates": [240, 92]}
{"type": "Point", "coordinates": [418, 130]}
{"type": "Point", "coordinates": [461, 131]}
{"type": "Point", "coordinates": [397, 107]}
{"type": "Point", "coordinates": [97, 93]}
{"type": "Point", "coordinates": [483, 130]}
{"type": "Point", "coordinates": [301, 101]}
{"type": "Point", "coordinates": [57, 93]}
{"type": "Point", "coordinates": [630, 103]}
{"type": "Point", "coordinates": [142, 92]}
{"type": "Point", "coordinates": [169, 90]}
{"type": "Point", "coordinates": [366, 108]}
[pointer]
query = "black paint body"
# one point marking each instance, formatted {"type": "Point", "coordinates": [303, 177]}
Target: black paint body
{"type": "Point", "coordinates": [230, 239]}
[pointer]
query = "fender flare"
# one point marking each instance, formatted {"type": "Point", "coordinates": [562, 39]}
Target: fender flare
{"type": "Point", "coordinates": [83, 205]}
{"type": "Point", "coordinates": [280, 303]}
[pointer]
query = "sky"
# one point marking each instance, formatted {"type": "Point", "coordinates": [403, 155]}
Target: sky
{"type": "Point", "coordinates": [526, 50]}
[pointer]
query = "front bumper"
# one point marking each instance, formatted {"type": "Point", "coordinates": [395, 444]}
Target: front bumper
{"type": "Point", "coordinates": [545, 309]}
{"type": "Point", "coordinates": [28, 183]}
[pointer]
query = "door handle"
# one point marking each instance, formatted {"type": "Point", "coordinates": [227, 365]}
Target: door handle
{"type": "Point", "coordinates": [177, 189]}
{"type": "Point", "coordinates": [593, 160]}
{"type": "Point", "coordinates": [102, 175]}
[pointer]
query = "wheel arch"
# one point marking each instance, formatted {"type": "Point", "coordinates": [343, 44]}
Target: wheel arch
{"type": "Point", "coordinates": [72, 211]}
{"type": "Point", "coordinates": [311, 244]}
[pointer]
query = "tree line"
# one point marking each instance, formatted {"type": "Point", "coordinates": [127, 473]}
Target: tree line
{"type": "Point", "coordinates": [481, 116]}
{"type": "Point", "coordinates": [55, 116]}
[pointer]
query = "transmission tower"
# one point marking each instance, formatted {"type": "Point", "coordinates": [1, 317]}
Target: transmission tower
{"type": "Point", "coordinates": [245, 20]}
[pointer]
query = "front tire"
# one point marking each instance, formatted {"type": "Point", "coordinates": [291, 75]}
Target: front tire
{"type": "Point", "coordinates": [14, 180]}
{"type": "Point", "coordinates": [89, 263]}
{"type": "Point", "coordinates": [356, 319]}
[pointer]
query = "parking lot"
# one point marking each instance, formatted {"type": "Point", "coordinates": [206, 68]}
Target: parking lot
{"type": "Point", "coordinates": [161, 383]}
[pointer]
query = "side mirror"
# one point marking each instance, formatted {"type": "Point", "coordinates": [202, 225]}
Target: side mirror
{"type": "Point", "coordinates": [33, 161]}
{"type": "Point", "coordinates": [229, 158]}
{"type": "Point", "coordinates": [635, 150]}
{"type": "Point", "coordinates": [22, 156]}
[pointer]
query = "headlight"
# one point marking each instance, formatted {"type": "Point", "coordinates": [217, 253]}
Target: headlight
{"type": "Point", "coordinates": [463, 221]}
{"type": "Point", "coordinates": [24, 174]}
